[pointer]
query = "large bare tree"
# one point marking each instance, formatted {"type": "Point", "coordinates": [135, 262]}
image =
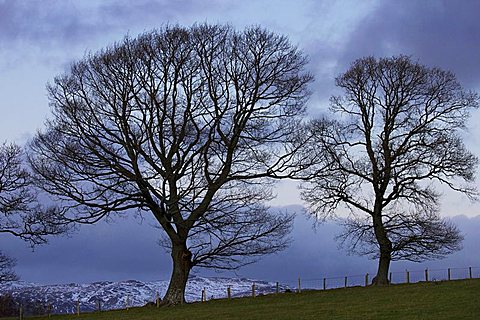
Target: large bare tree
{"type": "Point", "coordinates": [188, 124]}
{"type": "Point", "coordinates": [396, 135]}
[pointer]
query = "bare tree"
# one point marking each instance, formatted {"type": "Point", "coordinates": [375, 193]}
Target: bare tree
{"type": "Point", "coordinates": [6, 269]}
{"type": "Point", "coordinates": [21, 212]}
{"type": "Point", "coordinates": [188, 124]}
{"type": "Point", "coordinates": [397, 135]}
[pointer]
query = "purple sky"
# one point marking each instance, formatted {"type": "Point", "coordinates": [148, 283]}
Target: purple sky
{"type": "Point", "coordinates": [39, 39]}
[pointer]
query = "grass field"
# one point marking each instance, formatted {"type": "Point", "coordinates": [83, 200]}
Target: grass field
{"type": "Point", "coordinates": [433, 300]}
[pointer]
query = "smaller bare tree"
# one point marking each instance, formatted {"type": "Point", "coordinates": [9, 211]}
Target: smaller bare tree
{"type": "Point", "coordinates": [6, 268]}
{"type": "Point", "coordinates": [397, 133]}
{"type": "Point", "coordinates": [21, 212]}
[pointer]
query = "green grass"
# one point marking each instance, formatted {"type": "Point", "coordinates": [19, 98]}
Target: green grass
{"type": "Point", "coordinates": [434, 300]}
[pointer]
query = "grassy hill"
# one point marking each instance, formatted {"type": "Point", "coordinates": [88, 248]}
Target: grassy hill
{"type": "Point", "coordinates": [433, 300]}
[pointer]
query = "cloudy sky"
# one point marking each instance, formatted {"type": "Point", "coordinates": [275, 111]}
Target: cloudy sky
{"type": "Point", "coordinates": [39, 40]}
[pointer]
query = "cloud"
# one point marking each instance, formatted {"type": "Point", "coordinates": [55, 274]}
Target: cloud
{"type": "Point", "coordinates": [127, 249]}
{"type": "Point", "coordinates": [439, 33]}
{"type": "Point", "coordinates": [442, 33]}
{"type": "Point", "coordinates": [63, 23]}
{"type": "Point", "coordinates": [56, 32]}
{"type": "Point", "coordinates": [45, 22]}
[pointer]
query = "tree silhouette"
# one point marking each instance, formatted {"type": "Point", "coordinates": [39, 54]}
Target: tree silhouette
{"type": "Point", "coordinates": [188, 124]}
{"type": "Point", "coordinates": [397, 134]}
{"type": "Point", "coordinates": [21, 212]}
{"type": "Point", "coordinates": [6, 269]}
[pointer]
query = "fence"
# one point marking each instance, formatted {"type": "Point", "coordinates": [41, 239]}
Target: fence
{"type": "Point", "coordinates": [292, 285]}
{"type": "Point", "coordinates": [398, 277]}
{"type": "Point", "coordinates": [327, 283]}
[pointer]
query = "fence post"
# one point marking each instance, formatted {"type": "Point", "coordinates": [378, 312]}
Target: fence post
{"type": "Point", "coordinates": [229, 293]}
{"type": "Point", "coordinates": [21, 312]}
{"type": "Point", "coordinates": [277, 289]}
{"type": "Point", "coordinates": [345, 282]}
{"type": "Point", "coordinates": [470, 272]}
{"type": "Point", "coordinates": [449, 275]}
{"type": "Point", "coordinates": [157, 299]}
{"type": "Point", "coordinates": [324, 283]}
{"type": "Point", "coordinates": [204, 295]}
{"type": "Point", "coordinates": [426, 274]}
{"type": "Point", "coordinates": [299, 286]}
{"type": "Point", "coordinates": [78, 307]}
{"type": "Point", "coordinates": [390, 279]}
{"type": "Point", "coordinates": [408, 276]}
{"type": "Point", "coordinates": [366, 280]}
{"type": "Point", "coordinates": [99, 306]}
{"type": "Point", "coordinates": [127, 303]}
{"type": "Point", "coordinates": [253, 290]}
{"type": "Point", "coordinates": [49, 310]}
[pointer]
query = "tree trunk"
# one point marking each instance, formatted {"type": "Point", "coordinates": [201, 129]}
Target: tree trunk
{"type": "Point", "coordinates": [385, 251]}
{"type": "Point", "coordinates": [182, 264]}
{"type": "Point", "coordinates": [383, 266]}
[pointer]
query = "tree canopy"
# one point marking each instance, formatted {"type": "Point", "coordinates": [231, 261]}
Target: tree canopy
{"type": "Point", "coordinates": [188, 124]}
{"type": "Point", "coordinates": [22, 213]}
{"type": "Point", "coordinates": [397, 134]}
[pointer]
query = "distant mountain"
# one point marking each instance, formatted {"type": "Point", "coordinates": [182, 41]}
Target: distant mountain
{"type": "Point", "coordinates": [117, 295]}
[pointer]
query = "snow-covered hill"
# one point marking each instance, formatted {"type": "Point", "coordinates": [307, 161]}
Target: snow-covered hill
{"type": "Point", "coordinates": [117, 295]}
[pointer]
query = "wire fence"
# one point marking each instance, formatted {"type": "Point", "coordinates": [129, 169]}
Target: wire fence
{"type": "Point", "coordinates": [397, 277]}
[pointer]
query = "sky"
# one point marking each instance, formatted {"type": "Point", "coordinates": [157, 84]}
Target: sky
{"type": "Point", "coordinates": [40, 39]}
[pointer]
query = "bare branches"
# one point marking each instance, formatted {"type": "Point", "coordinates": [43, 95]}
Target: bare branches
{"type": "Point", "coordinates": [6, 269]}
{"type": "Point", "coordinates": [416, 236]}
{"type": "Point", "coordinates": [21, 212]}
{"type": "Point", "coordinates": [232, 236]}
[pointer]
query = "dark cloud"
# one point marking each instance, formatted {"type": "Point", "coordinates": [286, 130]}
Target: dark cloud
{"type": "Point", "coordinates": [128, 250]}
{"type": "Point", "coordinates": [63, 23]}
{"type": "Point", "coordinates": [42, 23]}
{"type": "Point", "coordinates": [314, 254]}
{"type": "Point", "coordinates": [438, 33]}
{"type": "Point", "coordinates": [125, 249]}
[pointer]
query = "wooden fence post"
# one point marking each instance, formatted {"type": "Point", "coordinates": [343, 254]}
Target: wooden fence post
{"type": "Point", "coordinates": [366, 280]}
{"type": "Point", "coordinates": [449, 275]}
{"type": "Point", "coordinates": [470, 272]}
{"type": "Point", "coordinates": [229, 293]}
{"type": "Point", "coordinates": [49, 310]}
{"type": "Point", "coordinates": [408, 276]}
{"type": "Point", "coordinates": [253, 290]}
{"type": "Point", "coordinates": [390, 279]}
{"type": "Point", "coordinates": [99, 305]}
{"type": "Point", "coordinates": [299, 286]}
{"type": "Point", "coordinates": [426, 274]}
{"type": "Point", "coordinates": [78, 307]}
{"type": "Point", "coordinates": [21, 312]}
{"type": "Point", "coordinates": [324, 283]}
{"type": "Point", "coordinates": [204, 295]}
{"type": "Point", "coordinates": [127, 303]}
{"type": "Point", "coordinates": [157, 299]}
{"type": "Point", "coordinates": [277, 289]}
